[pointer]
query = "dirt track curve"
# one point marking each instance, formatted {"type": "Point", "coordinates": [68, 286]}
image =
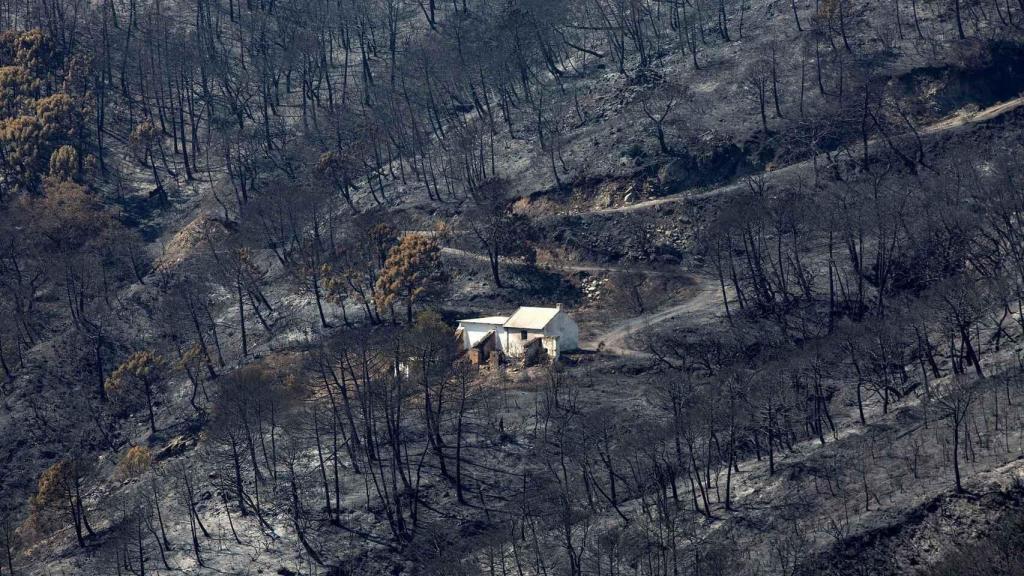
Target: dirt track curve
{"type": "Point", "coordinates": [701, 304]}
{"type": "Point", "coordinates": [704, 303]}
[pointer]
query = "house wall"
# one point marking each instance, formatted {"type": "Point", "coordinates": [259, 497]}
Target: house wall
{"type": "Point", "coordinates": [482, 351]}
{"type": "Point", "coordinates": [472, 332]}
{"type": "Point", "coordinates": [566, 330]}
{"type": "Point", "coordinates": [550, 344]}
{"type": "Point", "coordinates": [513, 344]}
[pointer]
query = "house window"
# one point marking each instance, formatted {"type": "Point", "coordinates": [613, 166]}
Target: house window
{"type": "Point", "coordinates": [522, 334]}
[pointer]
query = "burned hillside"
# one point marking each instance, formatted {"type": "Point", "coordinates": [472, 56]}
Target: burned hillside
{"type": "Point", "coordinates": [261, 263]}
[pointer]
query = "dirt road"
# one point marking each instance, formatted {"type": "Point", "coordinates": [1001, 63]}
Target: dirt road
{"type": "Point", "coordinates": [950, 123]}
{"type": "Point", "coordinates": [567, 266]}
{"type": "Point", "coordinates": [702, 304]}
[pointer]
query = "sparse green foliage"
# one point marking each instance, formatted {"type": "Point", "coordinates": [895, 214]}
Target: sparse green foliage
{"type": "Point", "coordinates": [35, 118]}
{"type": "Point", "coordinates": [63, 163]}
{"type": "Point", "coordinates": [59, 496]}
{"type": "Point", "coordinates": [140, 373]}
{"type": "Point", "coordinates": [412, 273]}
{"type": "Point", "coordinates": [143, 140]}
{"type": "Point", "coordinates": [135, 462]}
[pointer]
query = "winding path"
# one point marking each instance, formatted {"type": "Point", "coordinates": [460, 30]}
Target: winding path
{"type": "Point", "coordinates": [570, 267]}
{"type": "Point", "coordinates": [703, 303]}
{"type": "Point", "coordinates": [952, 122]}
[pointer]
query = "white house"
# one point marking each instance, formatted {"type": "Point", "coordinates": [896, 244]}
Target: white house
{"type": "Point", "coordinates": [522, 334]}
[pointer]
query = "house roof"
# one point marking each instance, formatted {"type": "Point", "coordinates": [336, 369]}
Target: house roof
{"type": "Point", "coordinates": [497, 320]}
{"type": "Point", "coordinates": [531, 318]}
